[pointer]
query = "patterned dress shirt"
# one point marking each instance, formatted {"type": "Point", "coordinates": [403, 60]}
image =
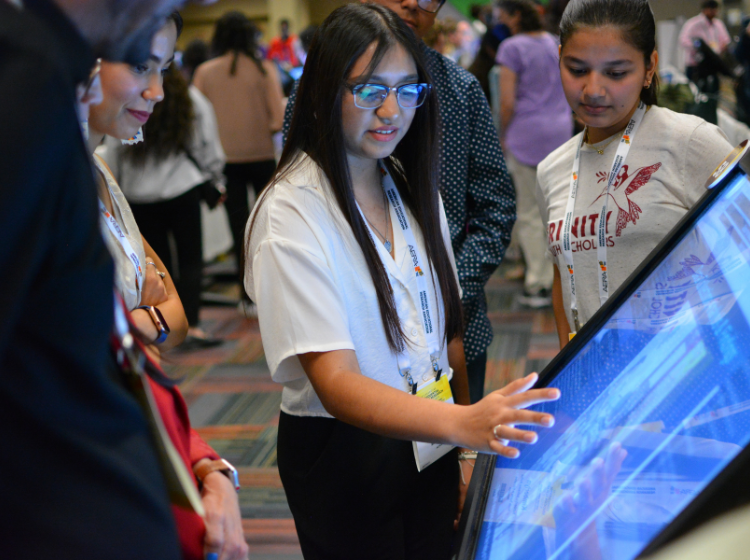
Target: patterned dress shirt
{"type": "Point", "coordinates": [477, 192]}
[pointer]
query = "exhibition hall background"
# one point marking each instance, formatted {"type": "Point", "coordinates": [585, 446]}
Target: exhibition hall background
{"type": "Point", "coordinates": [199, 20]}
{"type": "Point", "coordinates": [233, 403]}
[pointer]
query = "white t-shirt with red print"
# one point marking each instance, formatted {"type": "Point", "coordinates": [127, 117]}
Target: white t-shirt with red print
{"type": "Point", "coordinates": [665, 173]}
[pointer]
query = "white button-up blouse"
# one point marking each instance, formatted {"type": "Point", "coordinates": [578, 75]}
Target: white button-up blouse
{"type": "Point", "coordinates": [309, 278]}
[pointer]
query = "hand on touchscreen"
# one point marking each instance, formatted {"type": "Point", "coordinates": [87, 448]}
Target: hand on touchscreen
{"type": "Point", "coordinates": [578, 505]}
{"type": "Point", "coordinates": [492, 421]}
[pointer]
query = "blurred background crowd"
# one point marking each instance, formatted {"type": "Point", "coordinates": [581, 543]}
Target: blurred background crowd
{"type": "Point", "coordinates": [212, 145]}
{"type": "Point", "coordinates": [704, 66]}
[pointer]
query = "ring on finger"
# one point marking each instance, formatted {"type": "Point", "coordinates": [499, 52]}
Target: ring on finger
{"type": "Point", "coordinates": [160, 273]}
{"type": "Point", "coordinates": [494, 431]}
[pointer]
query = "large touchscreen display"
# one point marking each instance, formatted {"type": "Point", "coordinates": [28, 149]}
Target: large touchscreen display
{"type": "Point", "coordinates": [653, 407]}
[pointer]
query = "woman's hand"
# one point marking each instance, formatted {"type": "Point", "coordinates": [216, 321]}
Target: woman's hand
{"type": "Point", "coordinates": [154, 290]}
{"type": "Point", "coordinates": [486, 426]}
{"type": "Point", "coordinates": [224, 536]}
{"type": "Point", "coordinates": [159, 290]}
{"type": "Point", "coordinates": [489, 425]}
{"type": "Point", "coordinates": [493, 421]}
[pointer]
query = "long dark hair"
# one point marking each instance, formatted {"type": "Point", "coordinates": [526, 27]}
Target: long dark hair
{"type": "Point", "coordinates": [316, 129]}
{"type": "Point", "coordinates": [531, 20]}
{"type": "Point", "coordinates": [633, 18]}
{"type": "Point", "coordinates": [235, 32]}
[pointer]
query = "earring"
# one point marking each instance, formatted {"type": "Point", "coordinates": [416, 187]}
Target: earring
{"type": "Point", "coordinates": [135, 139]}
{"type": "Point", "coordinates": [84, 129]}
{"type": "Point", "coordinates": [648, 85]}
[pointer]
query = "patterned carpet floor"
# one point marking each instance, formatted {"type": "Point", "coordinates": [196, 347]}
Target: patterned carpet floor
{"type": "Point", "coordinates": [234, 404]}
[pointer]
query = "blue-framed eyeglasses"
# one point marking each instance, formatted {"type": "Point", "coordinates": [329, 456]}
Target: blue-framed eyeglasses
{"type": "Point", "coordinates": [372, 96]}
{"type": "Point", "coordinates": [431, 6]}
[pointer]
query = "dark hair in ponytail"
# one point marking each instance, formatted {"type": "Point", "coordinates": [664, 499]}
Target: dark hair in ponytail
{"type": "Point", "coordinates": [633, 18]}
{"type": "Point", "coordinates": [235, 32]}
{"type": "Point", "coordinates": [317, 130]}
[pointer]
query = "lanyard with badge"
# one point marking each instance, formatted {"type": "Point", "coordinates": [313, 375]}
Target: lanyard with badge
{"type": "Point", "coordinates": [114, 227]}
{"type": "Point", "coordinates": [623, 148]}
{"type": "Point", "coordinates": [434, 384]}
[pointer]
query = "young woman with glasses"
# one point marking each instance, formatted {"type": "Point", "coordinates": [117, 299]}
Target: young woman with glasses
{"type": "Point", "coordinates": [350, 263]}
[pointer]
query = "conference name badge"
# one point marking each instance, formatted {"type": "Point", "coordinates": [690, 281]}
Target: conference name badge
{"type": "Point", "coordinates": [436, 390]}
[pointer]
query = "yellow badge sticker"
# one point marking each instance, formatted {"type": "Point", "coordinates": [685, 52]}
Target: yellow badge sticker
{"type": "Point", "coordinates": [427, 453]}
{"type": "Point", "coordinates": [436, 390]}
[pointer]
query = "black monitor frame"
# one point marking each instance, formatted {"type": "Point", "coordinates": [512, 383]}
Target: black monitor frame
{"type": "Point", "coordinates": [710, 502]}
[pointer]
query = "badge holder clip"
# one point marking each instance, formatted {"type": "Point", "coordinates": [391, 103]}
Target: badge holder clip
{"type": "Point", "coordinates": [437, 369]}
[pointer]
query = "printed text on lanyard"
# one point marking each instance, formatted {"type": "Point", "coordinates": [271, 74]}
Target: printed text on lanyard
{"type": "Point", "coordinates": [623, 148]}
{"type": "Point", "coordinates": [433, 388]}
{"type": "Point", "coordinates": [114, 227]}
{"type": "Point", "coordinates": [425, 307]}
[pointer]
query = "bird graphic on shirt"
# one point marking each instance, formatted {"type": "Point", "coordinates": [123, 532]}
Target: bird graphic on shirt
{"type": "Point", "coordinates": [621, 196]}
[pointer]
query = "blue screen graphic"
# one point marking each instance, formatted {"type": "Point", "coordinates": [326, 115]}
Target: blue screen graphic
{"type": "Point", "coordinates": [652, 409]}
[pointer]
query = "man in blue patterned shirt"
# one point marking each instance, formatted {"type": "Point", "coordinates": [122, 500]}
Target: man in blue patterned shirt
{"type": "Point", "coordinates": [477, 192]}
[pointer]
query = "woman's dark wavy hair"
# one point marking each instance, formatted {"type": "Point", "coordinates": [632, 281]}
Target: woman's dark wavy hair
{"type": "Point", "coordinates": [633, 18]}
{"type": "Point", "coordinates": [531, 20]}
{"type": "Point", "coordinates": [170, 127]}
{"type": "Point", "coordinates": [235, 32]}
{"type": "Point", "coordinates": [317, 129]}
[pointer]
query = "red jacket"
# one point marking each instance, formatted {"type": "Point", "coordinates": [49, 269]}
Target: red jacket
{"type": "Point", "coordinates": [192, 448]}
{"type": "Point", "coordinates": [283, 51]}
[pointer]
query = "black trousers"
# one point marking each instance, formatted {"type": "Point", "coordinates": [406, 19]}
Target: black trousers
{"type": "Point", "coordinates": [357, 495]}
{"type": "Point", "coordinates": [239, 176]}
{"type": "Point", "coordinates": [182, 217]}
